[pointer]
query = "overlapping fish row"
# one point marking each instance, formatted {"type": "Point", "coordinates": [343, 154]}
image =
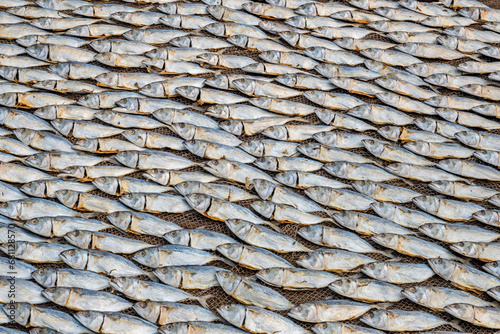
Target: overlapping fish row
{"type": "Point", "coordinates": [122, 122]}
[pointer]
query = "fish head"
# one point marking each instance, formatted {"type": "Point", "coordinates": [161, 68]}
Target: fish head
{"type": "Point", "coordinates": [264, 188]}
{"type": "Point", "coordinates": [439, 79]}
{"type": "Point", "coordinates": [388, 240]}
{"type": "Point", "coordinates": [390, 132]}
{"type": "Point", "coordinates": [375, 147]}
{"type": "Point", "coordinates": [107, 58]}
{"type": "Point", "coordinates": [233, 313]}
{"type": "Point", "coordinates": [148, 310]}
{"type": "Point", "coordinates": [218, 111]}
{"type": "Point", "coordinates": [20, 312]}
{"type": "Point", "coordinates": [363, 4]}
{"type": "Point", "coordinates": [325, 115]}
{"type": "Point", "coordinates": [136, 201]}
{"type": "Point", "coordinates": [451, 165]}
{"type": "Point", "coordinates": [173, 21]}
{"type": "Point", "coordinates": [8, 72]}
{"type": "Point", "coordinates": [418, 147]}
{"type": "Point", "coordinates": [181, 42]}
{"type": "Point", "coordinates": [40, 161]}
{"type": "Point", "coordinates": [170, 275]}
{"type": "Point", "coordinates": [374, 65]}
{"type": "Point", "coordinates": [448, 41]}
{"type": "Point", "coordinates": [455, 31]}
{"type": "Point", "coordinates": [289, 178]}
{"type": "Point", "coordinates": [38, 51]}
{"type": "Point", "coordinates": [199, 202]}
{"type": "Point", "coordinates": [328, 328]}
{"type": "Point", "coordinates": [312, 233]}
{"type": "Point", "coordinates": [221, 167]}
{"type": "Point", "coordinates": [61, 69]}
{"type": "Point", "coordinates": [136, 136]}
{"type": "Point", "coordinates": [197, 147]}
{"type": "Point", "coordinates": [387, 82]}
{"type": "Point", "coordinates": [109, 185]}
{"type": "Point", "coordinates": [385, 210]}
{"type": "Point", "coordinates": [472, 89]}
{"type": "Point", "coordinates": [245, 86]}
{"type": "Point", "coordinates": [273, 276]}
{"type": "Point", "coordinates": [158, 175]}
{"type": "Point", "coordinates": [120, 219]}
{"type": "Point", "coordinates": [232, 126]}
{"type": "Point", "coordinates": [216, 11]}
{"type": "Point", "coordinates": [189, 92]}
{"type": "Point", "coordinates": [75, 258]}
{"type": "Point", "coordinates": [109, 79]}
{"type": "Point", "coordinates": [154, 89]}
{"type": "Point", "coordinates": [149, 257]}
{"type": "Point", "coordinates": [126, 285]}
{"type": "Point", "coordinates": [313, 260]}
{"type": "Point", "coordinates": [399, 36]}
{"type": "Point", "coordinates": [80, 31]}
{"type": "Point", "coordinates": [470, 12]}
{"type": "Point", "coordinates": [180, 237]}
{"type": "Point", "coordinates": [493, 268]}
{"type": "Point", "coordinates": [261, 102]}
{"type": "Point", "coordinates": [75, 172]}
{"type": "Point", "coordinates": [100, 45]}
{"type": "Point", "coordinates": [377, 270]}
{"type": "Point", "coordinates": [469, 138]}
{"type": "Point", "coordinates": [8, 99]}
{"type": "Point", "coordinates": [426, 124]}
{"type": "Point", "coordinates": [347, 286]}
{"type": "Point", "coordinates": [443, 267]}
{"type": "Point", "coordinates": [176, 327]}
{"type": "Point", "coordinates": [467, 248]}
{"type": "Point", "coordinates": [341, 82]}
{"type": "Point", "coordinates": [35, 188]}
{"type": "Point", "coordinates": [85, 11]}
{"type": "Point", "coordinates": [185, 130]}
{"type": "Point", "coordinates": [68, 197]}
{"type": "Point", "coordinates": [228, 280]}
{"type": "Point", "coordinates": [59, 295]}
{"type": "Point", "coordinates": [443, 187]}
{"type": "Point", "coordinates": [382, 25]}
{"type": "Point", "coordinates": [271, 56]}
{"type": "Point", "coordinates": [264, 208]}
{"type": "Point", "coordinates": [278, 132]}
{"type": "Point", "coordinates": [46, 277]}
{"type": "Point", "coordinates": [238, 40]}
{"type": "Point", "coordinates": [304, 312]}
{"type": "Point", "coordinates": [128, 158]}
{"type": "Point", "coordinates": [291, 38]}
{"type": "Point", "coordinates": [490, 51]}
{"type": "Point", "coordinates": [48, 112]}
{"type": "Point", "coordinates": [43, 23]}
{"type": "Point", "coordinates": [211, 59]}
{"type": "Point", "coordinates": [298, 21]}
{"type": "Point", "coordinates": [338, 168]}
{"type": "Point", "coordinates": [376, 318]}
{"type": "Point", "coordinates": [41, 226]}
{"type": "Point", "coordinates": [308, 9]}
{"type": "Point", "coordinates": [315, 96]}
{"type": "Point", "coordinates": [27, 40]}
{"type": "Point", "coordinates": [239, 226]}
{"type": "Point", "coordinates": [254, 147]}
{"type": "Point", "coordinates": [24, 135]}
{"type": "Point", "coordinates": [419, 69]}
{"type": "Point", "coordinates": [136, 35]}
{"type": "Point", "coordinates": [319, 194]}
{"type": "Point", "coordinates": [46, 84]}
{"type": "Point", "coordinates": [347, 219]}
{"type": "Point", "coordinates": [130, 104]}
{"type": "Point", "coordinates": [91, 319]}
{"type": "Point", "coordinates": [487, 156]}
{"type": "Point", "coordinates": [217, 29]}
{"type": "Point", "coordinates": [122, 16]}
{"type": "Point", "coordinates": [345, 43]}
{"type": "Point", "coordinates": [220, 81]}
{"type": "Point", "coordinates": [427, 203]}
{"type": "Point", "coordinates": [326, 32]}
{"type": "Point", "coordinates": [367, 188]}
{"type": "Point", "coordinates": [345, 15]}
{"type": "Point", "coordinates": [188, 187]}
{"type": "Point", "coordinates": [89, 100]}
{"type": "Point", "coordinates": [462, 311]}
{"type": "Point", "coordinates": [289, 79]}
{"type": "Point", "coordinates": [90, 145]}
{"type": "Point", "coordinates": [434, 230]}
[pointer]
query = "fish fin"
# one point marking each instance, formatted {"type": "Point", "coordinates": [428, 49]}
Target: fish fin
{"type": "Point", "coordinates": [383, 306]}
{"type": "Point", "coordinates": [455, 323]}
{"type": "Point", "coordinates": [226, 261]}
{"type": "Point", "coordinates": [151, 276]}
{"type": "Point", "coordinates": [203, 300]}
{"type": "Point", "coordinates": [248, 183]}
{"type": "Point", "coordinates": [300, 119]}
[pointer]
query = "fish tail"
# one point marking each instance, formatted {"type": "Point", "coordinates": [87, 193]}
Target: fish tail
{"type": "Point", "coordinates": [300, 119]}
{"type": "Point", "coordinates": [388, 253]}
{"type": "Point", "coordinates": [151, 276]}
{"type": "Point", "coordinates": [455, 323]}
{"type": "Point", "coordinates": [203, 300]}
{"type": "Point", "coordinates": [383, 306]}
{"type": "Point", "coordinates": [226, 261]}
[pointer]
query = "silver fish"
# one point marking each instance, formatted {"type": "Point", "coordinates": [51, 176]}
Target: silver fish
{"type": "Point", "coordinates": [352, 170]}
{"type": "Point", "coordinates": [379, 114]}
{"type": "Point", "coordinates": [385, 192]}
{"type": "Point", "coordinates": [153, 202]}
{"type": "Point", "coordinates": [60, 226]}
{"type": "Point", "coordinates": [26, 291]}
{"type": "Point", "coordinates": [47, 188]}
{"type": "Point", "coordinates": [484, 251]}
{"type": "Point", "coordinates": [169, 255]}
{"type": "Point", "coordinates": [286, 214]}
{"type": "Point", "coordinates": [104, 242]}
{"type": "Point", "coordinates": [335, 260]}
{"type": "Point", "coordinates": [163, 313]}
{"type": "Point", "coordinates": [366, 224]}
{"type": "Point", "coordinates": [70, 278]}
{"type": "Point", "coordinates": [198, 238]}
{"type": "Point", "coordinates": [367, 290]}
{"type": "Point", "coordinates": [189, 277]}
{"type": "Point", "coordinates": [35, 252]}
{"type": "Point", "coordinates": [85, 299]}
{"type": "Point", "coordinates": [330, 310]}
{"type": "Point", "coordinates": [398, 272]}
{"type": "Point", "coordinates": [114, 321]}
{"type": "Point", "coordinates": [141, 223]}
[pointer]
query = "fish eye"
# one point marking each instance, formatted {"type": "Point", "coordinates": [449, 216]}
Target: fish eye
{"type": "Point", "coordinates": [494, 264]}
{"type": "Point", "coordinates": [33, 221]}
{"type": "Point", "coordinates": [142, 253]}
{"type": "Point", "coordinates": [143, 304]}
{"type": "Point", "coordinates": [324, 325]}
{"type": "Point", "coordinates": [174, 233]}
{"type": "Point", "coordinates": [460, 244]}
{"type": "Point", "coordinates": [227, 307]}
{"type": "Point", "coordinates": [40, 271]}
{"type": "Point", "coordinates": [76, 233]}
{"type": "Point", "coordinates": [4, 204]}
{"type": "Point", "coordinates": [182, 125]}
{"type": "Point", "coordinates": [216, 162]}
{"type": "Point", "coordinates": [439, 261]}
{"type": "Point", "coordinates": [338, 282]}
{"type": "Point", "coordinates": [72, 252]}
{"type": "Point", "coordinates": [169, 326]}
{"type": "Point", "coordinates": [371, 266]}
{"type": "Point", "coordinates": [412, 289]}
